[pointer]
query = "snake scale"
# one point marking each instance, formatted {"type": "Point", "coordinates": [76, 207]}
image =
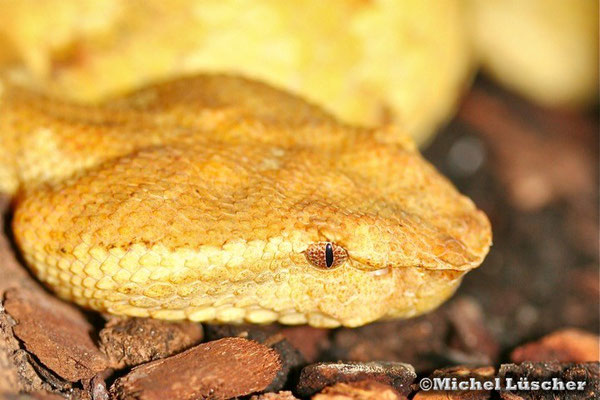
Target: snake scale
{"type": "Point", "coordinates": [218, 198]}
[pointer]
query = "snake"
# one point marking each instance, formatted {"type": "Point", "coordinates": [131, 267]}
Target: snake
{"type": "Point", "coordinates": [216, 198]}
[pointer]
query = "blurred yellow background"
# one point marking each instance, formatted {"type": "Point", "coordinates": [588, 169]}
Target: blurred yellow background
{"type": "Point", "coordinates": [368, 62]}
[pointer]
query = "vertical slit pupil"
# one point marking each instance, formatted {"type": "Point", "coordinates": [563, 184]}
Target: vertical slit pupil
{"type": "Point", "coordinates": [328, 255]}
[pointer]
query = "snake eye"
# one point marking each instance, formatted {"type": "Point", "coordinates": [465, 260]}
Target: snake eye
{"type": "Point", "coordinates": [326, 255]}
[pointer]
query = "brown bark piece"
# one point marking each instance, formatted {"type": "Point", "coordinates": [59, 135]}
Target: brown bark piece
{"type": "Point", "coordinates": [361, 390]}
{"type": "Point", "coordinates": [568, 345]}
{"type": "Point", "coordinates": [420, 342]}
{"type": "Point", "coordinates": [30, 396]}
{"type": "Point", "coordinates": [57, 334]}
{"type": "Point", "coordinates": [461, 373]}
{"type": "Point", "coordinates": [456, 333]}
{"type": "Point", "coordinates": [524, 138]}
{"type": "Point", "coordinates": [291, 361]}
{"type": "Point", "coordinates": [16, 373]}
{"type": "Point", "coordinates": [217, 370]}
{"type": "Point", "coordinates": [42, 396]}
{"type": "Point", "coordinates": [585, 281]}
{"type": "Point", "coordinates": [133, 341]}
{"type": "Point", "coordinates": [271, 336]}
{"type": "Point", "coordinates": [471, 336]}
{"type": "Point", "coordinates": [258, 333]}
{"type": "Point", "coordinates": [285, 395]}
{"type": "Point", "coordinates": [308, 340]}
{"type": "Point", "coordinates": [20, 371]}
{"type": "Point", "coordinates": [549, 371]}
{"type": "Point", "coordinates": [11, 380]}
{"type": "Point", "coordinates": [315, 377]}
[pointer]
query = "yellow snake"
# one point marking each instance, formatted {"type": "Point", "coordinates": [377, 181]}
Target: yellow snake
{"type": "Point", "coordinates": [216, 198]}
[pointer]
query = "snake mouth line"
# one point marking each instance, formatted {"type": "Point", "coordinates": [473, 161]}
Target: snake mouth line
{"type": "Point", "coordinates": [366, 265]}
{"type": "Point", "coordinates": [373, 272]}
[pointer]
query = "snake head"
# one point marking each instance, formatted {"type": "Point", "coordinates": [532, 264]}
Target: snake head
{"type": "Point", "coordinates": [237, 214]}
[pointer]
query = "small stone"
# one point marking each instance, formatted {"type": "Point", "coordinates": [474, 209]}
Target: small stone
{"type": "Point", "coordinates": [315, 377]}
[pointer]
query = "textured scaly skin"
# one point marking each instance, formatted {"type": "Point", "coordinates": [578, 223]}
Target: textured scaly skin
{"type": "Point", "coordinates": [197, 198]}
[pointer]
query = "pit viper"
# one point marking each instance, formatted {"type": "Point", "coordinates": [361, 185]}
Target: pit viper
{"type": "Point", "coordinates": [216, 198]}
